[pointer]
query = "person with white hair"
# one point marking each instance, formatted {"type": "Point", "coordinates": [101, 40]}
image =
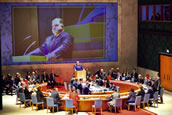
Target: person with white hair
{"type": "Point", "coordinates": [140, 79]}
{"type": "Point", "coordinates": [58, 46]}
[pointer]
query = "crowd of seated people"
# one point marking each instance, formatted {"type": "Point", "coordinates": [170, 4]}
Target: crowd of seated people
{"type": "Point", "coordinates": [9, 82]}
{"type": "Point", "coordinates": [100, 78]}
{"type": "Point", "coordinates": [80, 86]}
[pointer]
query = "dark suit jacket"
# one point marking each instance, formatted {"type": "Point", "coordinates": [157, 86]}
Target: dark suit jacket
{"type": "Point", "coordinates": [131, 97]}
{"type": "Point", "coordinates": [55, 96]}
{"type": "Point", "coordinates": [39, 96]}
{"type": "Point", "coordinates": [157, 84]}
{"type": "Point", "coordinates": [102, 75]}
{"type": "Point", "coordinates": [44, 78]}
{"type": "Point", "coordinates": [141, 93]}
{"type": "Point", "coordinates": [61, 46]}
{"type": "Point", "coordinates": [27, 94]}
{"type": "Point", "coordinates": [52, 77]}
{"type": "Point", "coordinates": [100, 82]}
{"type": "Point", "coordinates": [79, 86]}
{"type": "Point", "coordinates": [112, 74]}
{"type": "Point", "coordinates": [148, 81]}
{"type": "Point", "coordinates": [150, 91]}
{"type": "Point", "coordinates": [107, 84]}
{"type": "Point", "coordinates": [135, 76]}
{"type": "Point", "coordinates": [98, 72]}
{"type": "Point", "coordinates": [128, 78]}
{"type": "Point", "coordinates": [140, 81]}
{"type": "Point", "coordinates": [86, 90]}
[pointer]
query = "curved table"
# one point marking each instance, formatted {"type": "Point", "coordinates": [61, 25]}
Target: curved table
{"type": "Point", "coordinates": [86, 101]}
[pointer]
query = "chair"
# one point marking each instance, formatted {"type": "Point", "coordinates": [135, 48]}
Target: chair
{"type": "Point", "coordinates": [136, 103]}
{"type": "Point", "coordinates": [118, 103]}
{"type": "Point", "coordinates": [161, 94]}
{"type": "Point", "coordinates": [50, 103]}
{"type": "Point", "coordinates": [93, 77]}
{"type": "Point", "coordinates": [155, 98]}
{"type": "Point", "coordinates": [69, 105]}
{"type": "Point", "coordinates": [146, 100]}
{"type": "Point", "coordinates": [35, 101]}
{"type": "Point", "coordinates": [117, 89]}
{"type": "Point", "coordinates": [59, 81]}
{"type": "Point", "coordinates": [109, 77]}
{"type": "Point", "coordinates": [23, 99]}
{"type": "Point", "coordinates": [97, 104]}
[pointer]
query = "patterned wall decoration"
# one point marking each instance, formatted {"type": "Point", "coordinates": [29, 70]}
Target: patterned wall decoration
{"type": "Point", "coordinates": [6, 34]}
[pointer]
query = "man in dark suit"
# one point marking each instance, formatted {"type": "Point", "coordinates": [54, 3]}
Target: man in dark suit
{"type": "Point", "coordinates": [52, 79]}
{"type": "Point", "coordinates": [39, 95]}
{"type": "Point", "coordinates": [140, 79]}
{"type": "Point", "coordinates": [98, 72]}
{"type": "Point", "coordinates": [100, 82]}
{"type": "Point", "coordinates": [79, 86]}
{"type": "Point", "coordinates": [150, 90]}
{"type": "Point", "coordinates": [128, 76]}
{"type": "Point", "coordinates": [141, 93]}
{"type": "Point", "coordinates": [134, 75]}
{"type": "Point", "coordinates": [44, 77]}
{"type": "Point", "coordinates": [56, 97]}
{"type": "Point", "coordinates": [58, 45]}
{"type": "Point", "coordinates": [112, 73]}
{"type": "Point", "coordinates": [132, 96]}
{"type": "Point", "coordinates": [27, 92]}
{"type": "Point", "coordinates": [17, 79]}
{"type": "Point", "coordinates": [102, 74]}
{"type": "Point", "coordinates": [86, 90]}
{"type": "Point", "coordinates": [157, 83]}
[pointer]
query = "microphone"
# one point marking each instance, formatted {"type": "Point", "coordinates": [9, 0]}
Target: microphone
{"type": "Point", "coordinates": [29, 47]}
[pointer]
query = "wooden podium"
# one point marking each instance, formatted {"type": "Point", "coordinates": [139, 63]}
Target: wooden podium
{"type": "Point", "coordinates": [80, 74]}
{"type": "Point", "coordinates": [166, 70]}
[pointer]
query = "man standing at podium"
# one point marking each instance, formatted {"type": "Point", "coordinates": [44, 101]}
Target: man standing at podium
{"type": "Point", "coordinates": [78, 67]}
{"type": "Point", "coordinates": [59, 45]}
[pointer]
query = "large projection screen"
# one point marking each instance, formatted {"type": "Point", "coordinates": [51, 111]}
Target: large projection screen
{"type": "Point", "coordinates": [92, 27]}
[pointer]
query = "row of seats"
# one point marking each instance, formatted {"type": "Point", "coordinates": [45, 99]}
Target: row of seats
{"type": "Point", "coordinates": [49, 101]}
{"type": "Point", "coordinates": [138, 102]}
{"type": "Point", "coordinates": [97, 102]}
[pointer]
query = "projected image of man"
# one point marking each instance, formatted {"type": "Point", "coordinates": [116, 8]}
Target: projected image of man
{"type": "Point", "coordinates": [58, 45]}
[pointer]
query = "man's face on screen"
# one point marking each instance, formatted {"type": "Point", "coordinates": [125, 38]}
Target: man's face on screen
{"type": "Point", "coordinates": [57, 26]}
